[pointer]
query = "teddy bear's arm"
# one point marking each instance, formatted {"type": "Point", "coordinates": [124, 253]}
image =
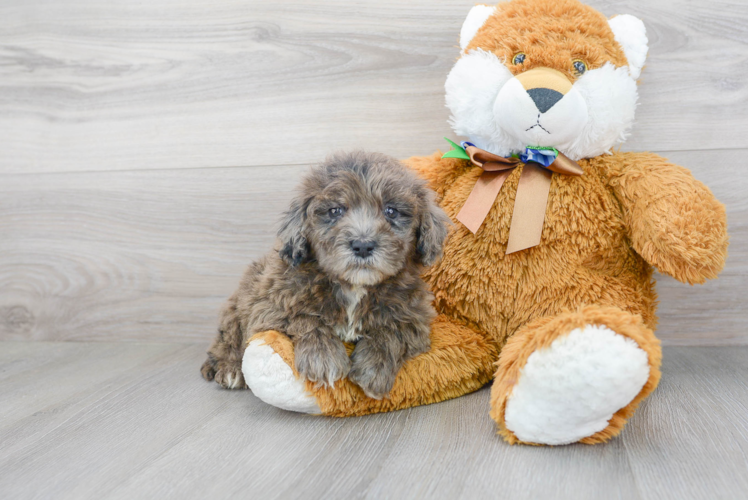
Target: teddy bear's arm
{"type": "Point", "coordinates": [439, 172]}
{"type": "Point", "coordinates": [674, 221]}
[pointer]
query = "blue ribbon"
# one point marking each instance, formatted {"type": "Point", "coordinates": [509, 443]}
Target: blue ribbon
{"type": "Point", "coordinates": [543, 156]}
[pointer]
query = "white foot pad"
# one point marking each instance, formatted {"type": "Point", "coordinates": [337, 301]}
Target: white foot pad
{"type": "Point", "coordinates": [571, 389]}
{"type": "Point", "coordinates": [273, 381]}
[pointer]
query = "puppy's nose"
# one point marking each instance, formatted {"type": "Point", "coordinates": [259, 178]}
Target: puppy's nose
{"type": "Point", "coordinates": [363, 248]}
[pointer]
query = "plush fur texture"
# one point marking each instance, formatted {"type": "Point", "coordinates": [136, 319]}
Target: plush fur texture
{"type": "Point", "coordinates": [571, 389]}
{"type": "Point", "coordinates": [603, 233]}
{"type": "Point", "coordinates": [460, 360]}
{"type": "Point", "coordinates": [268, 367]}
{"type": "Point", "coordinates": [475, 19]}
{"type": "Point", "coordinates": [604, 393]}
{"type": "Point", "coordinates": [351, 251]}
{"type": "Point", "coordinates": [490, 106]}
{"type": "Point", "coordinates": [631, 35]}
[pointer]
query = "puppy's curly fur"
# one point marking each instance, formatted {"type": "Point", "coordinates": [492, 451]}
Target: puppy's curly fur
{"type": "Point", "coordinates": [347, 268]}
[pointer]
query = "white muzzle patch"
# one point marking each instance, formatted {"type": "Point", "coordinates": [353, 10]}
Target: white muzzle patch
{"type": "Point", "coordinates": [527, 118]}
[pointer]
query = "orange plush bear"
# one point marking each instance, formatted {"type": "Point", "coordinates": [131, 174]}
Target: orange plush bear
{"type": "Point", "coordinates": [546, 282]}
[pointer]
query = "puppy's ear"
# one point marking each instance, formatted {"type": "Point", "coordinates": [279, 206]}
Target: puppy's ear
{"type": "Point", "coordinates": [432, 230]}
{"type": "Point", "coordinates": [292, 233]}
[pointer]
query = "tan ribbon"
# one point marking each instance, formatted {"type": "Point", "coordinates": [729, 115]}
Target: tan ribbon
{"type": "Point", "coordinates": [530, 201]}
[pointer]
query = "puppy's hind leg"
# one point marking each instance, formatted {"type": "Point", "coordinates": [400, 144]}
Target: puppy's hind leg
{"type": "Point", "coordinates": [224, 363]}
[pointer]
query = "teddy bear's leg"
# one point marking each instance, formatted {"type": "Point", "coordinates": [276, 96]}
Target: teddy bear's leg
{"type": "Point", "coordinates": [268, 369]}
{"type": "Point", "coordinates": [460, 361]}
{"type": "Point", "coordinates": [574, 377]}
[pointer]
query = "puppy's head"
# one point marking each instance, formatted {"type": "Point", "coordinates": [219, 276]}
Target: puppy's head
{"type": "Point", "coordinates": [363, 217]}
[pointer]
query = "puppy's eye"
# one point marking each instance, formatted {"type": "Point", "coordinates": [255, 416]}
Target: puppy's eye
{"type": "Point", "coordinates": [519, 58]}
{"type": "Point", "coordinates": [391, 213]}
{"type": "Point", "coordinates": [579, 67]}
{"type": "Point", "coordinates": [335, 212]}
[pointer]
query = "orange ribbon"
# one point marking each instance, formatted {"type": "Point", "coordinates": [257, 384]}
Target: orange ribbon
{"type": "Point", "coordinates": [530, 201]}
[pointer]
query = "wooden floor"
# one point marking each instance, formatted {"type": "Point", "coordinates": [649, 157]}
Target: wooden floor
{"type": "Point", "coordinates": [135, 420]}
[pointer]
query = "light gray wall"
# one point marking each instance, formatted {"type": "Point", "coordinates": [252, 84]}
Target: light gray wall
{"type": "Point", "coordinates": [148, 148]}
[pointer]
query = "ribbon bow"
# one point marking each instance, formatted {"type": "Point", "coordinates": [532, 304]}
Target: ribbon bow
{"type": "Point", "coordinates": [532, 191]}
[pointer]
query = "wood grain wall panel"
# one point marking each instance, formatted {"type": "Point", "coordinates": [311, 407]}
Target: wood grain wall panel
{"type": "Point", "coordinates": [138, 255]}
{"type": "Point", "coordinates": [131, 255]}
{"type": "Point", "coordinates": [93, 85]}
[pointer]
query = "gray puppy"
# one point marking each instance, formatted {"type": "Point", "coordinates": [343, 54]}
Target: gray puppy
{"type": "Point", "coordinates": [352, 247]}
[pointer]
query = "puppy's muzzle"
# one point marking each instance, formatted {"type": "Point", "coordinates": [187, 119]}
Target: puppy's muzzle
{"type": "Point", "coordinates": [545, 86]}
{"type": "Point", "coordinates": [363, 249]}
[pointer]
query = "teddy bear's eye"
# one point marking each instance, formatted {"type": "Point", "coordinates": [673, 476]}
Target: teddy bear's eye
{"type": "Point", "coordinates": [579, 67]}
{"type": "Point", "coordinates": [519, 58]}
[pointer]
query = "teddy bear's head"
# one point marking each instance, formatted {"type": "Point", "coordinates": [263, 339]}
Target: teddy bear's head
{"type": "Point", "coordinates": [552, 73]}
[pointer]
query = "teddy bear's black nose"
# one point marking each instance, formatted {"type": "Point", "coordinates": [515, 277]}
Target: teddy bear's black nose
{"type": "Point", "coordinates": [545, 99]}
{"type": "Point", "coordinates": [363, 248]}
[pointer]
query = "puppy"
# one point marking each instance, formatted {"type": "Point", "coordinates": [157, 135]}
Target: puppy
{"type": "Point", "coordinates": [347, 269]}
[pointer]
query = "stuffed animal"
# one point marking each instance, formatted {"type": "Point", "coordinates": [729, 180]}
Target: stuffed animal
{"type": "Point", "coordinates": [546, 282]}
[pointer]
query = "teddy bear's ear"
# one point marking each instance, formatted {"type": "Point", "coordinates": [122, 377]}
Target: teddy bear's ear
{"type": "Point", "coordinates": [630, 32]}
{"type": "Point", "coordinates": [473, 22]}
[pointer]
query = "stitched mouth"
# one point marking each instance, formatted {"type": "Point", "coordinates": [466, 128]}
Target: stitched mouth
{"type": "Point", "coordinates": [538, 125]}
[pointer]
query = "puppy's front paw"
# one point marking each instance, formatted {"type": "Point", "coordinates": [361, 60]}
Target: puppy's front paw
{"type": "Point", "coordinates": [321, 359]}
{"type": "Point", "coordinates": [208, 370]}
{"type": "Point", "coordinates": [375, 381]}
{"type": "Point", "coordinates": [229, 376]}
{"type": "Point", "coordinates": [375, 366]}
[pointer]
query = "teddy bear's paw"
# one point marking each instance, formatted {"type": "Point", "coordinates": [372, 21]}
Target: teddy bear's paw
{"type": "Point", "coordinates": [273, 380]}
{"type": "Point", "coordinates": [570, 390]}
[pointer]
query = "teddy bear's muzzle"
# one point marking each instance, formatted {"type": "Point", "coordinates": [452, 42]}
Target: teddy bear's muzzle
{"type": "Point", "coordinates": [545, 86]}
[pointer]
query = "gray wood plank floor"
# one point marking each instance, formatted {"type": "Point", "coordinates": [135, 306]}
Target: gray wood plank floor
{"type": "Point", "coordinates": [135, 420]}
